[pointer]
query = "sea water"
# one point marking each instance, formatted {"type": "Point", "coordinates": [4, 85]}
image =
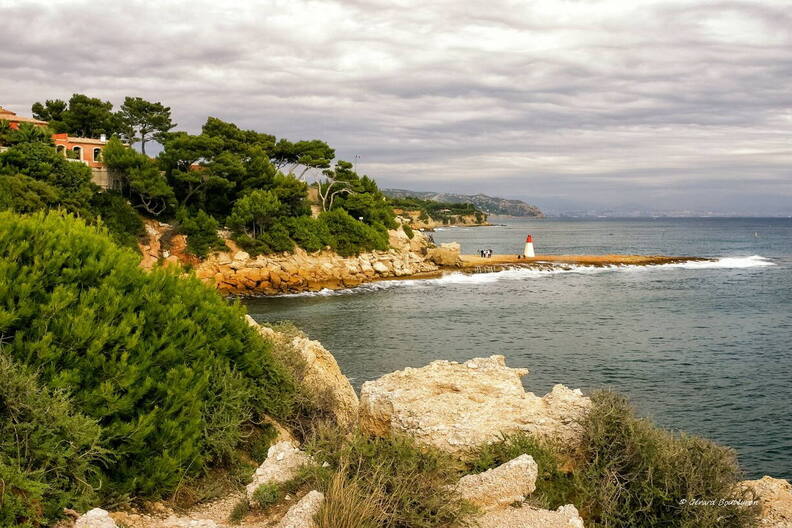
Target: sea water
{"type": "Point", "coordinates": [703, 347]}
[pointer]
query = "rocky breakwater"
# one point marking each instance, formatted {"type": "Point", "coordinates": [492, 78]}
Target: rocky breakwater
{"type": "Point", "coordinates": [238, 273]}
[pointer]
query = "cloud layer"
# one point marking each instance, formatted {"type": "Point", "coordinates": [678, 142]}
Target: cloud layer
{"type": "Point", "coordinates": [673, 104]}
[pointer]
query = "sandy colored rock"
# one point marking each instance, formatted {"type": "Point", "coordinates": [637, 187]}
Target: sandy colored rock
{"type": "Point", "coordinates": [458, 406]}
{"type": "Point", "coordinates": [501, 486]}
{"type": "Point", "coordinates": [447, 254]}
{"type": "Point", "coordinates": [282, 463]}
{"type": "Point", "coordinates": [96, 518]}
{"type": "Point", "coordinates": [302, 514]}
{"type": "Point", "coordinates": [776, 498]}
{"type": "Point", "coordinates": [322, 377]}
{"type": "Point", "coordinates": [182, 522]}
{"type": "Point", "coordinates": [529, 517]}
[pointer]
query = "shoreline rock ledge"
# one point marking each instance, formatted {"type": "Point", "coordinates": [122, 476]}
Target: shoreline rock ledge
{"type": "Point", "coordinates": [459, 406]}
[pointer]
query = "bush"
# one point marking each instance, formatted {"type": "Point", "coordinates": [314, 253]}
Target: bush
{"type": "Point", "coordinates": [412, 486]}
{"type": "Point", "coordinates": [635, 474]}
{"type": "Point", "coordinates": [201, 230]}
{"type": "Point", "coordinates": [309, 233]}
{"type": "Point", "coordinates": [408, 231]}
{"type": "Point", "coordinates": [350, 236]}
{"type": "Point", "coordinates": [24, 194]}
{"type": "Point", "coordinates": [120, 218]}
{"type": "Point", "coordinates": [277, 238]}
{"type": "Point", "coordinates": [266, 495]}
{"type": "Point", "coordinates": [48, 451]}
{"type": "Point", "coordinates": [554, 487]}
{"type": "Point", "coordinates": [166, 366]}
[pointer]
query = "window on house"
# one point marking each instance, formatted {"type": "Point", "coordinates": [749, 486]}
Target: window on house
{"type": "Point", "coordinates": [78, 152]}
{"type": "Point", "coordinates": [97, 154]}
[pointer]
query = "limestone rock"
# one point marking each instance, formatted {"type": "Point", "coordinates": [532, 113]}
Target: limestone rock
{"type": "Point", "coordinates": [283, 461]}
{"type": "Point", "coordinates": [446, 254]}
{"type": "Point", "coordinates": [96, 518]}
{"type": "Point", "coordinates": [302, 514]}
{"type": "Point", "coordinates": [776, 498]}
{"type": "Point", "coordinates": [322, 377]}
{"type": "Point", "coordinates": [498, 487]}
{"type": "Point", "coordinates": [528, 517]}
{"type": "Point", "coordinates": [458, 406]}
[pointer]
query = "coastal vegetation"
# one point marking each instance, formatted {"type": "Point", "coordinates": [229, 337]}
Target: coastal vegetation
{"type": "Point", "coordinates": [443, 212]}
{"type": "Point", "coordinates": [154, 376]}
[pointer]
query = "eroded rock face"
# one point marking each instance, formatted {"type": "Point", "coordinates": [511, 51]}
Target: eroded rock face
{"type": "Point", "coordinates": [501, 486]}
{"type": "Point", "coordinates": [528, 517]}
{"type": "Point", "coordinates": [301, 515]}
{"type": "Point", "coordinates": [96, 518]}
{"type": "Point", "coordinates": [776, 498]}
{"type": "Point", "coordinates": [322, 377]}
{"type": "Point", "coordinates": [458, 406]}
{"type": "Point", "coordinates": [282, 463]}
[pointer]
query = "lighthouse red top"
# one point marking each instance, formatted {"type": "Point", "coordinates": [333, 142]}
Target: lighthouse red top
{"type": "Point", "coordinates": [529, 238]}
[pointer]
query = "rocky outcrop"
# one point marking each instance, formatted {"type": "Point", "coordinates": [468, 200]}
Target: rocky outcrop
{"type": "Point", "coordinates": [96, 518]}
{"type": "Point", "coordinates": [775, 496]}
{"type": "Point", "coordinates": [447, 254]}
{"type": "Point", "coordinates": [318, 374]}
{"type": "Point", "coordinates": [501, 486]}
{"type": "Point", "coordinates": [417, 220]}
{"type": "Point", "coordinates": [282, 463]}
{"type": "Point", "coordinates": [529, 517]}
{"type": "Point", "coordinates": [302, 514]}
{"type": "Point", "coordinates": [458, 406]}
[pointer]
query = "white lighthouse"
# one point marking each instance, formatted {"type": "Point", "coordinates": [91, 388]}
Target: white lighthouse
{"type": "Point", "coordinates": [529, 250]}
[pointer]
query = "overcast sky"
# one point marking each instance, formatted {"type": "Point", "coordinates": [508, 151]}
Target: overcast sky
{"type": "Point", "coordinates": [582, 103]}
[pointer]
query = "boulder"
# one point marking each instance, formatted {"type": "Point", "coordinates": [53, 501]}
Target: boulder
{"type": "Point", "coordinates": [321, 376]}
{"type": "Point", "coordinates": [529, 517]}
{"type": "Point", "coordinates": [501, 486]}
{"type": "Point", "coordinates": [282, 463]}
{"type": "Point", "coordinates": [459, 406]}
{"type": "Point", "coordinates": [302, 514]}
{"type": "Point", "coordinates": [96, 518]}
{"type": "Point", "coordinates": [446, 254]}
{"type": "Point", "coordinates": [775, 496]}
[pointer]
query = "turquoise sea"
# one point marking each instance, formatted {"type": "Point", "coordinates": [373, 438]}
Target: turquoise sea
{"type": "Point", "coordinates": [701, 347]}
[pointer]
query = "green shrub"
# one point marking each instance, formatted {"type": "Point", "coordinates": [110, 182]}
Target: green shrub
{"type": "Point", "coordinates": [201, 230]}
{"type": "Point", "coordinates": [408, 230]}
{"type": "Point", "coordinates": [412, 485]}
{"type": "Point", "coordinates": [239, 511]}
{"type": "Point", "coordinates": [48, 451]}
{"type": "Point", "coordinates": [266, 495]}
{"type": "Point", "coordinates": [351, 236]}
{"type": "Point", "coordinates": [166, 365]}
{"type": "Point", "coordinates": [554, 487]}
{"type": "Point", "coordinates": [24, 194]}
{"type": "Point", "coordinates": [635, 474]}
{"type": "Point", "coordinates": [309, 233]}
{"type": "Point", "coordinates": [277, 238]}
{"type": "Point", "coordinates": [119, 217]}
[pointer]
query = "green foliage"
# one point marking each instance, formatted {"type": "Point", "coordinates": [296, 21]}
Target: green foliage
{"type": "Point", "coordinates": [119, 217]}
{"type": "Point", "coordinates": [166, 366]}
{"type": "Point", "coordinates": [201, 230]}
{"type": "Point", "coordinates": [239, 511]}
{"type": "Point", "coordinates": [444, 212]}
{"type": "Point", "coordinates": [412, 486]}
{"type": "Point", "coordinates": [28, 133]}
{"type": "Point", "coordinates": [408, 231]}
{"type": "Point", "coordinates": [255, 213]}
{"type": "Point", "coordinates": [266, 495]}
{"type": "Point", "coordinates": [554, 487]}
{"type": "Point", "coordinates": [139, 177]}
{"type": "Point", "coordinates": [48, 451]}
{"type": "Point", "coordinates": [309, 233]}
{"type": "Point", "coordinates": [350, 236]}
{"type": "Point", "coordinates": [71, 181]}
{"type": "Point", "coordinates": [23, 194]}
{"type": "Point", "coordinates": [635, 474]}
{"type": "Point", "coordinates": [145, 119]}
{"type": "Point", "coordinates": [52, 111]}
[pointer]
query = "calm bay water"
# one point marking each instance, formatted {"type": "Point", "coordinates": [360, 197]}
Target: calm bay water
{"type": "Point", "coordinates": [703, 347]}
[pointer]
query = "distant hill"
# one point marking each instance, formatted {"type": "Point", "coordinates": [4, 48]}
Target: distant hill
{"type": "Point", "coordinates": [488, 204]}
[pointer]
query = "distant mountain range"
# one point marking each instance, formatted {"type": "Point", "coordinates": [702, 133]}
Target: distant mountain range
{"type": "Point", "coordinates": [488, 204]}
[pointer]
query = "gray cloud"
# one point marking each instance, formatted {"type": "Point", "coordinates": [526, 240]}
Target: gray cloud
{"type": "Point", "coordinates": [599, 102]}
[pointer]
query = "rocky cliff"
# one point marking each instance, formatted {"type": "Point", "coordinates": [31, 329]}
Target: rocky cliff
{"type": "Point", "coordinates": [413, 218]}
{"type": "Point", "coordinates": [236, 272]}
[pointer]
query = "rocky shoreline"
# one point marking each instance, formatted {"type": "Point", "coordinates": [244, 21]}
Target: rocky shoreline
{"type": "Point", "coordinates": [445, 405]}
